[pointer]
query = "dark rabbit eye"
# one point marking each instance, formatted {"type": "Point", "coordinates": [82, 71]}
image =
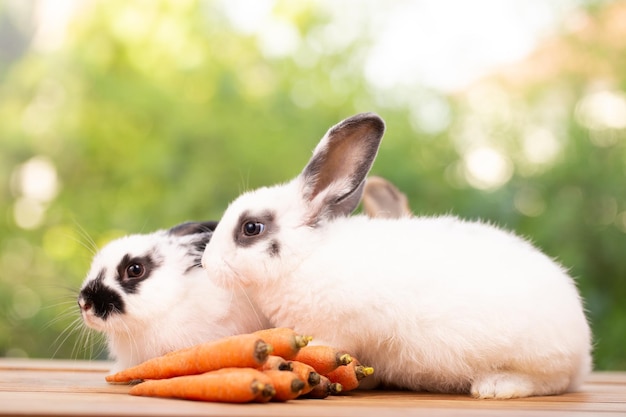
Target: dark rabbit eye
{"type": "Point", "coordinates": [135, 270]}
{"type": "Point", "coordinates": [253, 228]}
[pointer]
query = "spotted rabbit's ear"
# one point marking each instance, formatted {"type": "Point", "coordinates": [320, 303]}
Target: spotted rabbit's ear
{"type": "Point", "coordinates": [191, 228]}
{"type": "Point", "coordinates": [333, 180]}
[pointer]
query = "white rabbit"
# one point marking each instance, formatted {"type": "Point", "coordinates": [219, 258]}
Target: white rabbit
{"type": "Point", "coordinates": [436, 304]}
{"type": "Point", "coordinates": [149, 295]}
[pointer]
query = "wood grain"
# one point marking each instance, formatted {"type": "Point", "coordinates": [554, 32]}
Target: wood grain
{"type": "Point", "coordinates": [73, 388]}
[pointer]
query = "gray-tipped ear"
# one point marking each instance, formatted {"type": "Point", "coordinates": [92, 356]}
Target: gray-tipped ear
{"type": "Point", "coordinates": [191, 228]}
{"type": "Point", "coordinates": [340, 163]}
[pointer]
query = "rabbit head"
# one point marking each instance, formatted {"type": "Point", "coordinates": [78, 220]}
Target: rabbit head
{"type": "Point", "coordinates": [263, 228]}
{"type": "Point", "coordinates": [148, 294]}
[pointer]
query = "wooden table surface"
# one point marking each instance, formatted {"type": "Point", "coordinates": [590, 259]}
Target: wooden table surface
{"type": "Point", "coordinates": [73, 388]}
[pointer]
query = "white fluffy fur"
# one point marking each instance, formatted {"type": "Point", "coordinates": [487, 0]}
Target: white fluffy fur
{"type": "Point", "coordinates": [173, 308]}
{"type": "Point", "coordinates": [435, 304]}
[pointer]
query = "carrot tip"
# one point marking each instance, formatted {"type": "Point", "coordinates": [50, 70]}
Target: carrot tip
{"type": "Point", "coordinates": [344, 359]}
{"type": "Point", "coordinates": [297, 385]}
{"type": "Point", "coordinates": [314, 379]}
{"type": "Point", "coordinates": [363, 371]}
{"type": "Point", "coordinates": [302, 341]}
{"type": "Point", "coordinates": [287, 366]}
{"type": "Point", "coordinates": [262, 351]}
{"type": "Point", "coordinates": [335, 388]}
{"type": "Point", "coordinates": [268, 391]}
{"type": "Point", "coordinates": [263, 390]}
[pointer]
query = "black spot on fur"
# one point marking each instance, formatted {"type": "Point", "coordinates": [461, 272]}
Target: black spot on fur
{"type": "Point", "coordinates": [129, 283]}
{"type": "Point", "coordinates": [103, 300]}
{"type": "Point", "coordinates": [274, 248]}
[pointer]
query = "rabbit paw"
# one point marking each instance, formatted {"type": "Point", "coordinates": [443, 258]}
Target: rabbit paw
{"type": "Point", "coordinates": [502, 386]}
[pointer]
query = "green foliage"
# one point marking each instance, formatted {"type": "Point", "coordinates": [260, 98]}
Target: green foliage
{"type": "Point", "coordinates": [157, 112]}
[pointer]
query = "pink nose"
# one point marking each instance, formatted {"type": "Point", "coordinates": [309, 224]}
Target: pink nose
{"type": "Point", "coordinates": [84, 305]}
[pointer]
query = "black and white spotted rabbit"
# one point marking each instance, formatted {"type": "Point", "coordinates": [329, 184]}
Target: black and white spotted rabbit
{"type": "Point", "coordinates": [149, 295]}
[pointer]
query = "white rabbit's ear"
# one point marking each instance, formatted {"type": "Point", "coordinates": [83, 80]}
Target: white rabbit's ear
{"type": "Point", "coordinates": [383, 199]}
{"type": "Point", "coordinates": [333, 179]}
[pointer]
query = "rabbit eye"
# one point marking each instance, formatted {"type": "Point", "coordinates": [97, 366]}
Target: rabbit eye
{"type": "Point", "coordinates": [253, 228]}
{"type": "Point", "coordinates": [135, 270]}
{"type": "Point", "coordinates": [132, 271]}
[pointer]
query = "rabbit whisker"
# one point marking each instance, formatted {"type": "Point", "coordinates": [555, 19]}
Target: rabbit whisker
{"type": "Point", "coordinates": [62, 338]}
{"type": "Point", "coordinates": [88, 242]}
{"type": "Point", "coordinates": [134, 349]}
{"type": "Point", "coordinates": [253, 307]}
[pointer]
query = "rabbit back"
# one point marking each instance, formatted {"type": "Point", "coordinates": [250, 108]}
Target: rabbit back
{"type": "Point", "coordinates": [434, 303]}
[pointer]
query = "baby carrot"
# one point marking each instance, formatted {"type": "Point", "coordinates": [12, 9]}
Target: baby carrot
{"type": "Point", "coordinates": [323, 389]}
{"type": "Point", "coordinates": [277, 363]}
{"type": "Point", "coordinates": [350, 375]}
{"type": "Point", "coordinates": [322, 358]}
{"type": "Point", "coordinates": [306, 373]}
{"type": "Point", "coordinates": [232, 385]}
{"type": "Point", "coordinates": [287, 384]}
{"type": "Point", "coordinates": [246, 350]}
{"type": "Point", "coordinates": [286, 342]}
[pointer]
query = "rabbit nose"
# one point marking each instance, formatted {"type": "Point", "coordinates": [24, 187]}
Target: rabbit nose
{"type": "Point", "coordinates": [84, 305]}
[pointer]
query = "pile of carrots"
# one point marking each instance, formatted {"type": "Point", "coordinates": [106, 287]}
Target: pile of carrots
{"type": "Point", "coordinates": [274, 364]}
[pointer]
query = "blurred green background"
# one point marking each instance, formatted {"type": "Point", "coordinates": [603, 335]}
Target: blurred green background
{"type": "Point", "coordinates": [129, 116]}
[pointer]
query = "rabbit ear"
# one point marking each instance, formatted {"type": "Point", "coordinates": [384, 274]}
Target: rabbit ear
{"type": "Point", "coordinates": [334, 178]}
{"type": "Point", "coordinates": [191, 228]}
{"type": "Point", "coordinates": [383, 199]}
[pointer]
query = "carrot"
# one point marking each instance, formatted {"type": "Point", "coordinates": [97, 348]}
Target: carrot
{"type": "Point", "coordinates": [268, 391]}
{"type": "Point", "coordinates": [277, 363]}
{"type": "Point", "coordinates": [288, 384]}
{"type": "Point", "coordinates": [246, 350]}
{"type": "Point", "coordinates": [322, 358]}
{"type": "Point", "coordinates": [350, 375]}
{"type": "Point", "coordinates": [306, 373]}
{"type": "Point", "coordinates": [286, 342]}
{"type": "Point", "coordinates": [232, 385]}
{"type": "Point", "coordinates": [323, 389]}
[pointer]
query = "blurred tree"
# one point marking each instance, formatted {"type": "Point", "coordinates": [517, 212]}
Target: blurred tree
{"type": "Point", "coordinates": [156, 112]}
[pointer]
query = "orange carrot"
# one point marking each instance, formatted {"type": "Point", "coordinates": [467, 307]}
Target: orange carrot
{"type": "Point", "coordinates": [277, 363]}
{"type": "Point", "coordinates": [322, 358]}
{"type": "Point", "coordinates": [288, 384]}
{"type": "Point", "coordinates": [350, 375]}
{"type": "Point", "coordinates": [232, 385]}
{"type": "Point", "coordinates": [246, 350]}
{"type": "Point", "coordinates": [323, 389]}
{"type": "Point", "coordinates": [286, 342]}
{"type": "Point", "coordinates": [306, 373]}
